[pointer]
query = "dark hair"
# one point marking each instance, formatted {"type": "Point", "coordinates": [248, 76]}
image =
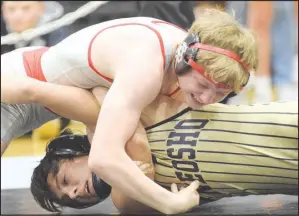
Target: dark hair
{"type": "Point", "coordinates": [50, 164]}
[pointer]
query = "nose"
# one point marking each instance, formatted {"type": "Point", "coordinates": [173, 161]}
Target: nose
{"type": "Point", "coordinates": [76, 191]}
{"type": "Point", "coordinates": [73, 192]}
{"type": "Point", "coordinates": [207, 97]}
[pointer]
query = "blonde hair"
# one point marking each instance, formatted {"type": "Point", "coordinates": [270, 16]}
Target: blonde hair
{"type": "Point", "coordinates": [219, 29]}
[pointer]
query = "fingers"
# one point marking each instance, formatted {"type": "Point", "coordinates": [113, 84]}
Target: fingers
{"type": "Point", "coordinates": [145, 167]}
{"type": "Point", "coordinates": [182, 187]}
{"type": "Point", "coordinates": [142, 165]}
{"type": "Point", "coordinates": [174, 188]}
{"type": "Point", "coordinates": [194, 185]}
{"type": "Point", "coordinates": [138, 163]}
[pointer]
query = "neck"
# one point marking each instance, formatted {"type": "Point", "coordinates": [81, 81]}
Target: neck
{"type": "Point", "coordinates": [170, 80]}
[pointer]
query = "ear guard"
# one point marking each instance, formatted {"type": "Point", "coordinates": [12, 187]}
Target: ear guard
{"type": "Point", "coordinates": [185, 58]}
{"type": "Point", "coordinates": [78, 145]}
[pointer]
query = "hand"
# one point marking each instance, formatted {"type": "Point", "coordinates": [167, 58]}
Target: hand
{"type": "Point", "coordinates": [185, 198]}
{"type": "Point", "coordinates": [146, 168]}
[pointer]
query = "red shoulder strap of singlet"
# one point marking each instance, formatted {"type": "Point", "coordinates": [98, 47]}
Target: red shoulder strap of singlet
{"type": "Point", "coordinates": [123, 24]}
{"type": "Point", "coordinates": [91, 65]}
{"type": "Point", "coordinates": [32, 63]}
{"type": "Point", "coordinates": [33, 67]}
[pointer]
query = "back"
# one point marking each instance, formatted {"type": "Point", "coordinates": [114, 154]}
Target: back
{"type": "Point", "coordinates": [232, 150]}
{"type": "Point", "coordinates": [69, 62]}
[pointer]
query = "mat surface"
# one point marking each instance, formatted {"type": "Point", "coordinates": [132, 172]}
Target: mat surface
{"type": "Point", "coordinates": [20, 201]}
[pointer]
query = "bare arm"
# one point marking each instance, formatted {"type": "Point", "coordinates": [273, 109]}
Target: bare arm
{"type": "Point", "coordinates": [139, 151]}
{"type": "Point", "coordinates": [117, 122]}
{"type": "Point", "coordinates": [127, 205]}
{"type": "Point", "coordinates": [132, 90]}
{"type": "Point", "coordinates": [66, 101]}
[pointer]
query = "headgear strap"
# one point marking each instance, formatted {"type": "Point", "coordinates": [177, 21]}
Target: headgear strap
{"type": "Point", "coordinates": [185, 57]}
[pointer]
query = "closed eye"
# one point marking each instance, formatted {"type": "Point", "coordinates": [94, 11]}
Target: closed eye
{"type": "Point", "coordinates": [220, 94]}
{"type": "Point", "coordinates": [64, 180]}
{"type": "Point", "coordinates": [223, 92]}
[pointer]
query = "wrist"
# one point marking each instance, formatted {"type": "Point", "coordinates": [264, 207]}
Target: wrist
{"type": "Point", "coordinates": [173, 205]}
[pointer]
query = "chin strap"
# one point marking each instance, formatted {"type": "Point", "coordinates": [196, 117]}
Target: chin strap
{"type": "Point", "coordinates": [101, 188]}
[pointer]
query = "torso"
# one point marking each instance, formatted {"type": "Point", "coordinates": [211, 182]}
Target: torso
{"type": "Point", "coordinates": [80, 59]}
{"type": "Point", "coordinates": [232, 150]}
{"type": "Point", "coordinates": [74, 61]}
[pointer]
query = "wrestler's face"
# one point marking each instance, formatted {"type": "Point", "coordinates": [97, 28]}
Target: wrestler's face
{"type": "Point", "coordinates": [22, 15]}
{"type": "Point", "coordinates": [73, 180]}
{"type": "Point", "coordinates": [199, 91]}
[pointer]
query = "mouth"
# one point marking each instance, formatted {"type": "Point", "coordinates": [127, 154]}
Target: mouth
{"type": "Point", "coordinates": [196, 98]}
{"type": "Point", "coordinates": [87, 190]}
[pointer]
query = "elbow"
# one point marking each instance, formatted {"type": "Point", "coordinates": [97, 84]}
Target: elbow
{"type": "Point", "coordinates": [103, 157]}
{"type": "Point", "coordinates": [96, 165]}
{"type": "Point", "coordinates": [99, 165]}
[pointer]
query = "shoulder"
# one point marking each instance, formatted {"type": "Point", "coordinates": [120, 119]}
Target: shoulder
{"type": "Point", "coordinates": [127, 43]}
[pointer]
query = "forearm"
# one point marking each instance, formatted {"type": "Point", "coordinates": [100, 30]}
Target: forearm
{"type": "Point", "coordinates": [124, 175]}
{"type": "Point", "coordinates": [127, 205]}
{"type": "Point", "coordinates": [67, 101]}
{"type": "Point", "coordinates": [137, 148]}
{"type": "Point", "coordinates": [109, 159]}
{"type": "Point", "coordinates": [73, 103]}
{"type": "Point", "coordinates": [15, 89]}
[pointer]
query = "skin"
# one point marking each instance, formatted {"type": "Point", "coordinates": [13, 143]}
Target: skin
{"type": "Point", "coordinates": [72, 176]}
{"type": "Point", "coordinates": [56, 97]}
{"type": "Point", "coordinates": [76, 172]}
{"type": "Point", "coordinates": [124, 104]}
{"type": "Point", "coordinates": [121, 111]}
{"type": "Point", "coordinates": [137, 149]}
{"type": "Point", "coordinates": [22, 15]}
{"type": "Point", "coordinates": [25, 90]}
